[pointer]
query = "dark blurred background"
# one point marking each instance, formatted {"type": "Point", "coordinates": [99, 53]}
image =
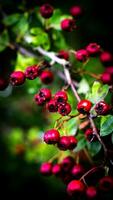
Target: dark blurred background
{"type": "Point", "coordinates": [18, 177]}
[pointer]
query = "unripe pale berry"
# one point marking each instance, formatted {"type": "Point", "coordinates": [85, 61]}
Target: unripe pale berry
{"type": "Point", "coordinates": [46, 10]}
{"type": "Point", "coordinates": [81, 55]}
{"type": "Point", "coordinates": [17, 78]}
{"type": "Point", "coordinates": [84, 106]}
{"type": "Point", "coordinates": [46, 169]}
{"type": "Point", "coordinates": [51, 136]}
{"type": "Point", "coordinates": [68, 25]}
{"type": "Point", "coordinates": [46, 77]}
{"type": "Point", "coordinates": [75, 187]}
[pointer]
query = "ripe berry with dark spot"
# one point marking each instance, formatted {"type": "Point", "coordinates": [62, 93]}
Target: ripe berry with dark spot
{"type": "Point", "coordinates": [64, 143]}
{"type": "Point", "coordinates": [89, 135]}
{"type": "Point", "coordinates": [46, 169]}
{"type": "Point", "coordinates": [52, 106]}
{"type": "Point", "coordinates": [77, 171]}
{"type": "Point", "coordinates": [64, 109]}
{"type": "Point", "coordinates": [81, 55]}
{"type": "Point", "coordinates": [106, 57]}
{"type": "Point", "coordinates": [102, 108]}
{"type": "Point", "coordinates": [31, 72]}
{"type": "Point", "coordinates": [51, 136]}
{"type": "Point", "coordinates": [73, 142]}
{"type": "Point", "coordinates": [75, 187]}
{"type": "Point", "coordinates": [3, 83]}
{"type": "Point", "coordinates": [84, 106]}
{"type": "Point", "coordinates": [106, 184]}
{"type": "Point", "coordinates": [46, 77]}
{"type": "Point", "coordinates": [46, 10]}
{"type": "Point", "coordinates": [17, 78]}
{"type": "Point", "coordinates": [75, 11]}
{"type": "Point", "coordinates": [63, 54]}
{"type": "Point", "coordinates": [67, 164]}
{"type": "Point", "coordinates": [106, 78]}
{"type": "Point", "coordinates": [93, 49]}
{"type": "Point", "coordinates": [45, 93]}
{"type": "Point", "coordinates": [39, 100]}
{"type": "Point", "coordinates": [56, 169]}
{"type": "Point", "coordinates": [91, 192]}
{"type": "Point", "coordinates": [68, 25]}
{"type": "Point", "coordinates": [61, 97]}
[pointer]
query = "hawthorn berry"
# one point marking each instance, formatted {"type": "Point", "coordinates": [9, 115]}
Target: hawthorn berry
{"type": "Point", "coordinates": [17, 78]}
{"type": "Point", "coordinates": [75, 187]}
{"type": "Point", "coordinates": [64, 143]}
{"type": "Point", "coordinates": [68, 25]}
{"type": "Point", "coordinates": [46, 10]}
{"type": "Point", "coordinates": [67, 163]}
{"type": "Point", "coordinates": [106, 183]}
{"type": "Point", "coordinates": [106, 78]}
{"type": "Point", "coordinates": [46, 77]}
{"type": "Point", "coordinates": [45, 93]}
{"type": "Point", "coordinates": [73, 142]}
{"type": "Point", "coordinates": [61, 97]}
{"type": "Point", "coordinates": [3, 83]}
{"type": "Point", "coordinates": [91, 192]}
{"type": "Point", "coordinates": [52, 106]}
{"type": "Point", "coordinates": [75, 11]}
{"type": "Point", "coordinates": [93, 49]}
{"type": "Point", "coordinates": [81, 55]}
{"type": "Point", "coordinates": [102, 108]}
{"type": "Point", "coordinates": [89, 135]}
{"type": "Point", "coordinates": [56, 169]}
{"type": "Point", "coordinates": [84, 106]}
{"type": "Point", "coordinates": [63, 54]}
{"type": "Point", "coordinates": [64, 109]}
{"type": "Point", "coordinates": [32, 72]}
{"type": "Point", "coordinates": [106, 57]}
{"type": "Point", "coordinates": [39, 100]}
{"type": "Point", "coordinates": [77, 171]}
{"type": "Point", "coordinates": [51, 136]}
{"type": "Point", "coordinates": [46, 169]}
{"type": "Point", "coordinates": [109, 70]}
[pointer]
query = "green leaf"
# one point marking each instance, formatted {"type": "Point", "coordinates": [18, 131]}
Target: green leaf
{"type": "Point", "coordinates": [94, 148]}
{"type": "Point", "coordinates": [56, 19]}
{"type": "Point", "coordinates": [99, 92]}
{"type": "Point", "coordinates": [11, 19]}
{"type": "Point", "coordinates": [81, 144]}
{"type": "Point", "coordinates": [83, 86]}
{"type": "Point", "coordinates": [106, 125]}
{"type": "Point", "coordinates": [4, 40]}
{"type": "Point", "coordinates": [59, 40]}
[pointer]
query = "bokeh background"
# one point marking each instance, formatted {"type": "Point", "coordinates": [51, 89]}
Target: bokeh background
{"type": "Point", "coordinates": [21, 122]}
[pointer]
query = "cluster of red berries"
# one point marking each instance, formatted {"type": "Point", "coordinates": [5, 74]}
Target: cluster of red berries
{"type": "Point", "coordinates": [71, 174]}
{"type": "Point", "coordinates": [107, 75]}
{"type": "Point", "coordinates": [18, 77]}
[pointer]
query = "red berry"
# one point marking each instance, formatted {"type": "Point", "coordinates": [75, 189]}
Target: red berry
{"type": "Point", "coordinates": [46, 169]}
{"type": "Point", "coordinates": [68, 25]}
{"type": "Point", "coordinates": [52, 106]}
{"type": "Point", "coordinates": [17, 78]}
{"type": "Point", "coordinates": [89, 135]}
{"type": "Point", "coordinates": [106, 78]}
{"type": "Point", "coordinates": [73, 142]}
{"type": "Point", "coordinates": [64, 143]}
{"type": "Point", "coordinates": [67, 164]}
{"type": "Point", "coordinates": [75, 11]}
{"type": "Point", "coordinates": [45, 93]}
{"type": "Point", "coordinates": [3, 83]}
{"type": "Point", "coordinates": [84, 106]}
{"type": "Point", "coordinates": [46, 10]}
{"type": "Point", "coordinates": [64, 109]}
{"type": "Point", "coordinates": [39, 100]}
{"type": "Point", "coordinates": [75, 187]}
{"type": "Point", "coordinates": [81, 55]}
{"type": "Point", "coordinates": [77, 171]}
{"type": "Point", "coordinates": [63, 54]}
{"type": "Point", "coordinates": [109, 70]}
{"type": "Point", "coordinates": [56, 169]}
{"type": "Point", "coordinates": [32, 72]}
{"type": "Point", "coordinates": [93, 48]}
{"type": "Point", "coordinates": [46, 77]}
{"type": "Point", "coordinates": [102, 108]}
{"type": "Point", "coordinates": [91, 192]}
{"type": "Point", "coordinates": [61, 97]}
{"type": "Point", "coordinates": [106, 57]}
{"type": "Point", "coordinates": [51, 136]}
{"type": "Point", "coordinates": [106, 183]}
